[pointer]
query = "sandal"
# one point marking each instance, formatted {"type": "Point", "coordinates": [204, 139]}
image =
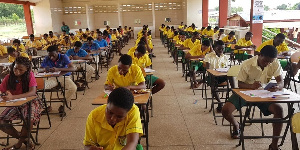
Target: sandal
{"type": "Point", "coordinates": [236, 134]}
{"type": "Point", "coordinates": [270, 148]}
{"type": "Point", "coordinates": [31, 145]}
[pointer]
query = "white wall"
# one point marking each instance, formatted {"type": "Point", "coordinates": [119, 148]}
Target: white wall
{"type": "Point", "coordinates": [57, 17]}
{"type": "Point", "coordinates": [42, 17]}
{"type": "Point", "coordinates": [194, 12]}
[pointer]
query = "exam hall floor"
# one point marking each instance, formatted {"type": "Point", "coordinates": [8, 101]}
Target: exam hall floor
{"type": "Point", "coordinates": [180, 120]}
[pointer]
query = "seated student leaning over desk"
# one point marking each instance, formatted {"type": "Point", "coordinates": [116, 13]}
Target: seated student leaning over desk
{"type": "Point", "coordinates": [141, 59]}
{"type": "Point", "coordinates": [254, 72]}
{"type": "Point", "coordinates": [116, 125]}
{"type": "Point", "coordinates": [125, 74]}
{"type": "Point", "coordinates": [3, 51]}
{"type": "Point", "coordinates": [244, 43]}
{"type": "Point", "coordinates": [191, 42]}
{"type": "Point", "coordinates": [18, 46]}
{"type": "Point", "coordinates": [77, 53]}
{"type": "Point", "coordinates": [280, 45]}
{"type": "Point", "coordinates": [228, 40]}
{"type": "Point", "coordinates": [33, 44]}
{"type": "Point", "coordinates": [13, 54]}
{"type": "Point", "coordinates": [198, 51]}
{"type": "Point", "coordinates": [19, 83]}
{"type": "Point", "coordinates": [215, 60]}
{"type": "Point", "coordinates": [59, 62]}
{"type": "Point", "coordinates": [219, 36]}
{"type": "Point", "coordinates": [90, 45]}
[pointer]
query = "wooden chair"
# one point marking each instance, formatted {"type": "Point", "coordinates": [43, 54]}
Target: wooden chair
{"type": "Point", "coordinates": [290, 75]}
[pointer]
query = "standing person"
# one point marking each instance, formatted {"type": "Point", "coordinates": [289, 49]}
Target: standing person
{"type": "Point", "coordinates": [295, 34]}
{"type": "Point", "coordinates": [65, 28]}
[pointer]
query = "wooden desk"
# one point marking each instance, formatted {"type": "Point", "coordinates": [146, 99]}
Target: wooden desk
{"type": "Point", "coordinates": [26, 121]}
{"type": "Point", "coordinates": [140, 100]}
{"type": "Point", "coordinates": [293, 98]}
{"type": "Point", "coordinates": [216, 73]}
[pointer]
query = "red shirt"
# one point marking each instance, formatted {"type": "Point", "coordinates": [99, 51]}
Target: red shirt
{"type": "Point", "coordinates": [3, 85]}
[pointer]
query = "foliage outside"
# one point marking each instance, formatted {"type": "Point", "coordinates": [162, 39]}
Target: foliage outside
{"type": "Point", "coordinates": [269, 35]}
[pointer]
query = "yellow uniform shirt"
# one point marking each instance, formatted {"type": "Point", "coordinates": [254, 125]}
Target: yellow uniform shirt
{"type": "Point", "coordinates": [132, 49]}
{"type": "Point", "coordinates": [3, 50]}
{"type": "Point", "coordinates": [251, 72]}
{"type": "Point", "coordinates": [150, 44]}
{"type": "Point", "coordinates": [176, 38]}
{"type": "Point", "coordinates": [216, 62]}
{"type": "Point", "coordinates": [243, 42]}
{"type": "Point", "coordinates": [142, 62]}
{"type": "Point", "coordinates": [280, 48]}
{"type": "Point", "coordinates": [64, 43]}
{"type": "Point", "coordinates": [34, 44]}
{"type": "Point", "coordinates": [87, 32]}
{"type": "Point", "coordinates": [114, 37]}
{"type": "Point", "coordinates": [12, 59]}
{"type": "Point", "coordinates": [180, 27]}
{"type": "Point", "coordinates": [179, 42]}
{"type": "Point", "coordinates": [197, 51]}
{"type": "Point", "coordinates": [162, 29]}
{"type": "Point", "coordinates": [149, 37]}
{"type": "Point", "coordinates": [98, 130]}
{"type": "Point", "coordinates": [51, 39]}
{"type": "Point", "coordinates": [188, 43]}
{"type": "Point", "coordinates": [209, 33]}
{"type": "Point", "coordinates": [62, 36]}
{"type": "Point", "coordinates": [226, 40]}
{"type": "Point", "coordinates": [166, 32]}
{"type": "Point", "coordinates": [134, 76]}
{"type": "Point", "coordinates": [170, 34]}
{"type": "Point", "coordinates": [22, 47]}
{"type": "Point", "coordinates": [190, 29]}
{"type": "Point", "coordinates": [75, 39]}
{"type": "Point", "coordinates": [44, 42]}
{"type": "Point", "coordinates": [79, 34]}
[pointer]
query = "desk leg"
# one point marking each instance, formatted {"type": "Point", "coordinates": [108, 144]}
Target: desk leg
{"type": "Point", "coordinates": [28, 125]}
{"type": "Point", "coordinates": [146, 125]}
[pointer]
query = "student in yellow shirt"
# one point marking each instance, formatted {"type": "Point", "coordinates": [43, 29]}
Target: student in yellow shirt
{"type": "Point", "coordinates": [176, 37]}
{"type": "Point", "coordinates": [219, 36]}
{"type": "Point", "coordinates": [45, 42]}
{"type": "Point", "coordinates": [115, 125]}
{"type": "Point", "coordinates": [166, 31]}
{"type": "Point", "coordinates": [73, 38]}
{"type": "Point", "coordinates": [191, 42]}
{"type": "Point", "coordinates": [52, 38]}
{"type": "Point", "coordinates": [208, 32]}
{"type": "Point", "coordinates": [228, 40]}
{"type": "Point", "coordinates": [114, 36]}
{"type": "Point", "coordinates": [3, 51]}
{"type": "Point", "coordinates": [62, 36]}
{"type": "Point", "coordinates": [141, 59]}
{"type": "Point", "coordinates": [244, 43]}
{"type": "Point", "coordinates": [84, 37]}
{"type": "Point", "coordinates": [66, 42]}
{"type": "Point", "coordinates": [192, 28]}
{"type": "Point", "coordinates": [181, 26]}
{"type": "Point", "coordinates": [18, 46]}
{"type": "Point", "coordinates": [216, 29]}
{"type": "Point", "coordinates": [170, 33]}
{"type": "Point", "coordinates": [125, 74]}
{"type": "Point", "coordinates": [79, 33]}
{"type": "Point", "coordinates": [198, 51]}
{"type": "Point", "coordinates": [33, 46]}
{"type": "Point", "coordinates": [255, 72]}
{"type": "Point", "coordinates": [94, 35]}
{"type": "Point", "coordinates": [162, 28]}
{"type": "Point", "coordinates": [87, 31]}
{"type": "Point", "coordinates": [13, 54]}
{"type": "Point", "coordinates": [280, 45]}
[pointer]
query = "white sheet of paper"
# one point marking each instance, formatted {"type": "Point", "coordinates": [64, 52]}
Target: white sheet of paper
{"type": "Point", "coordinates": [222, 69]}
{"type": "Point", "coordinates": [49, 73]}
{"type": "Point", "coordinates": [148, 70]}
{"type": "Point", "coordinates": [14, 100]}
{"type": "Point", "coordinates": [262, 93]}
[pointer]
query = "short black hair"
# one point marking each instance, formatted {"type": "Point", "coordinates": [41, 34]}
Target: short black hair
{"type": "Point", "coordinates": [10, 50]}
{"type": "Point", "coordinates": [64, 31]}
{"type": "Point", "coordinates": [122, 98]}
{"type": "Point", "coordinates": [208, 27]}
{"type": "Point", "coordinates": [195, 33]}
{"type": "Point", "coordinates": [221, 30]}
{"type": "Point", "coordinates": [125, 59]}
{"type": "Point", "coordinates": [176, 33]}
{"type": "Point", "coordinates": [216, 27]}
{"type": "Point", "coordinates": [87, 29]}
{"type": "Point", "coordinates": [31, 35]}
{"type": "Point", "coordinates": [90, 39]}
{"type": "Point", "coordinates": [50, 32]}
{"type": "Point", "coordinates": [78, 44]}
{"type": "Point", "coordinates": [141, 43]}
{"type": "Point", "coordinates": [45, 34]}
{"type": "Point", "coordinates": [52, 48]}
{"type": "Point", "coordinates": [141, 49]}
{"type": "Point", "coordinates": [219, 42]}
{"type": "Point", "coordinates": [206, 42]}
{"type": "Point", "coordinates": [249, 33]}
{"type": "Point", "coordinates": [231, 33]}
{"type": "Point", "coordinates": [269, 51]}
{"type": "Point", "coordinates": [16, 41]}
{"type": "Point", "coordinates": [280, 35]}
{"type": "Point", "coordinates": [71, 34]}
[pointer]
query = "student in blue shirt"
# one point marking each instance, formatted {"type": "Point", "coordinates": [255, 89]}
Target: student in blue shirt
{"type": "Point", "coordinates": [90, 45]}
{"type": "Point", "coordinates": [79, 54]}
{"type": "Point", "coordinates": [100, 41]}
{"type": "Point", "coordinates": [58, 62]}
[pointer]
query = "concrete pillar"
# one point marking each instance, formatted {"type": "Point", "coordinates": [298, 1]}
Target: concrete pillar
{"type": "Point", "coordinates": [223, 10]}
{"type": "Point", "coordinates": [153, 19]}
{"type": "Point", "coordinates": [120, 16]}
{"type": "Point", "coordinates": [28, 19]}
{"type": "Point", "coordinates": [194, 13]}
{"type": "Point", "coordinates": [89, 17]}
{"type": "Point", "coordinates": [204, 13]}
{"type": "Point", "coordinates": [255, 28]}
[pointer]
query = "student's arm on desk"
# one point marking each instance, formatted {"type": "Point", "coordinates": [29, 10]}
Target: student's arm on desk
{"type": "Point", "coordinates": [254, 86]}
{"type": "Point", "coordinates": [132, 141]}
{"type": "Point", "coordinates": [279, 86]}
{"type": "Point", "coordinates": [141, 85]}
{"type": "Point", "coordinates": [9, 96]}
{"type": "Point", "coordinates": [70, 68]}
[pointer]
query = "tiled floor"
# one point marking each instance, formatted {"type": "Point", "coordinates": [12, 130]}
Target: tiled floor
{"type": "Point", "coordinates": [179, 123]}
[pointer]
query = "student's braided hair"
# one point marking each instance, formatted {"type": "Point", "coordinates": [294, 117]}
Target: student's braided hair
{"type": "Point", "coordinates": [12, 80]}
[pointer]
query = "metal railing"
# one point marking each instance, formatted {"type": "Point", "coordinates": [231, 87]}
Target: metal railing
{"type": "Point", "coordinates": [286, 39]}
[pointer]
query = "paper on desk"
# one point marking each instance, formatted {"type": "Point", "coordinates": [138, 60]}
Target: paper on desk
{"type": "Point", "coordinates": [148, 70]}
{"type": "Point", "coordinates": [262, 93]}
{"type": "Point", "coordinates": [222, 69]}
{"type": "Point", "coordinates": [14, 100]}
{"type": "Point", "coordinates": [5, 64]}
{"type": "Point", "coordinates": [49, 73]}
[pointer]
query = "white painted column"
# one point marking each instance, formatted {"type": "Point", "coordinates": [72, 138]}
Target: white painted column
{"type": "Point", "coordinates": [194, 12]}
{"type": "Point", "coordinates": [120, 16]}
{"type": "Point", "coordinates": [153, 20]}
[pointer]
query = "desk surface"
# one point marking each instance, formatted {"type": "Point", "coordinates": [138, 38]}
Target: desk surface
{"type": "Point", "coordinates": [17, 103]}
{"type": "Point", "coordinates": [47, 76]}
{"type": "Point", "coordinates": [293, 97]}
{"type": "Point", "coordinates": [5, 64]}
{"type": "Point", "coordinates": [138, 99]}
{"type": "Point", "coordinates": [216, 73]}
{"type": "Point", "coordinates": [35, 57]}
{"type": "Point", "coordinates": [78, 61]}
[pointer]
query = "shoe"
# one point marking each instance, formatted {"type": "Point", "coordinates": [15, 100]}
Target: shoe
{"type": "Point", "coordinates": [153, 55]}
{"type": "Point", "coordinates": [270, 148]}
{"type": "Point", "coordinates": [219, 109]}
{"type": "Point", "coordinates": [236, 134]}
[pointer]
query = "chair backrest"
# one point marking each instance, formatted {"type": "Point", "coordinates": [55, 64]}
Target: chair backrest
{"type": "Point", "coordinates": [40, 83]}
{"type": "Point", "coordinates": [295, 57]}
{"type": "Point", "coordinates": [234, 71]}
{"type": "Point", "coordinates": [296, 123]}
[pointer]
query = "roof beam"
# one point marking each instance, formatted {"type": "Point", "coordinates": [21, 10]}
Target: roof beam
{"type": "Point", "coordinates": [17, 2]}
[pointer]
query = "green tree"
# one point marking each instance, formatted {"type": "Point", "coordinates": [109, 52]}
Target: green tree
{"type": "Point", "coordinates": [296, 6]}
{"type": "Point", "coordinates": [7, 10]}
{"type": "Point", "coordinates": [236, 9]}
{"type": "Point", "coordinates": [269, 35]}
{"type": "Point", "coordinates": [15, 17]}
{"type": "Point", "coordinates": [266, 8]}
{"type": "Point", "coordinates": [282, 7]}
